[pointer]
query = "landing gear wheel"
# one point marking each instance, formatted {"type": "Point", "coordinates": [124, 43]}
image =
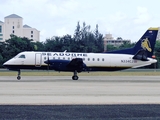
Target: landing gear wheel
{"type": "Point", "coordinates": [74, 77]}
{"type": "Point", "coordinates": [18, 77]}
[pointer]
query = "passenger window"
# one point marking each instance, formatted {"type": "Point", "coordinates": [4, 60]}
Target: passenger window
{"type": "Point", "coordinates": [69, 58]}
{"type": "Point", "coordinates": [44, 58]}
{"type": "Point", "coordinates": [83, 59]}
{"type": "Point", "coordinates": [43, 53]}
{"type": "Point", "coordinates": [102, 59]}
{"type": "Point", "coordinates": [97, 59]}
{"type": "Point", "coordinates": [63, 58]}
{"type": "Point", "coordinates": [22, 56]}
{"type": "Point", "coordinates": [93, 59]}
{"type": "Point", "coordinates": [88, 59]}
{"type": "Point", "coordinates": [49, 54]}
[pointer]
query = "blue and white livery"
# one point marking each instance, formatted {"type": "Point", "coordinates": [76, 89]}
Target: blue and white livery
{"type": "Point", "coordinates": [138, 56]}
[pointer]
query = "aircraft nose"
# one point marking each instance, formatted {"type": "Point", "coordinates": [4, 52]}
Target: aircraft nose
{"type": "Point", "coordinates": [5, 64]}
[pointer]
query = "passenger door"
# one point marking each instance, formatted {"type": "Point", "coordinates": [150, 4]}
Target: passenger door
{"type": "Point", "coordinates": [38, 59]}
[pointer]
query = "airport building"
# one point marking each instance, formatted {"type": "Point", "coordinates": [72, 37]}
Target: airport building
{"type": "Point", "coordinates": [13, 24]}
{"type": "Point", "coordinates": [109, 40]}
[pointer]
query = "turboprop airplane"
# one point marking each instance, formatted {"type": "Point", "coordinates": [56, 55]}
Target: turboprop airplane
{"type": "Point", "coordinates": [138, 56]}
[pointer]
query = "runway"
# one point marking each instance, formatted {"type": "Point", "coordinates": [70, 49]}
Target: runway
{"type": "Point", "coordinates": [58, 90]}
{"type": "Point", "coordinates": [91, 97]}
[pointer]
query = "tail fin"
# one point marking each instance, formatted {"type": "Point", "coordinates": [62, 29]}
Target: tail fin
{"type": "Point", "coordinates": [146, 43]}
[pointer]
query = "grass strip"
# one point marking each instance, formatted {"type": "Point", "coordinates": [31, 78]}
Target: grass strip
{"type": "Point", "coordinates": [53, 73]}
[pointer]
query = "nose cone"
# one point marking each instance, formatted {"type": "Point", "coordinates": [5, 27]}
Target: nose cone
{"type": "Point", "coordinates": [5, 64]}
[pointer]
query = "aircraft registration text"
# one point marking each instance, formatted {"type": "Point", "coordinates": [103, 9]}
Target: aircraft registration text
{"type": "Point", "coordinates": [128, 61]}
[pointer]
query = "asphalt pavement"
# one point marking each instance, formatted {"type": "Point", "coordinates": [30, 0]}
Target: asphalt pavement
{"type": "Point", "coordinates": [90, 98]}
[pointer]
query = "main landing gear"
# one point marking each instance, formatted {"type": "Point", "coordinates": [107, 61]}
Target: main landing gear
{"type": "Point", "coordinates": [75, 77]}
{"type": "Point", "coordinates": [19, 73]}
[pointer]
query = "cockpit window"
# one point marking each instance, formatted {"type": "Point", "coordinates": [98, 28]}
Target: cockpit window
{"type": "Point", "coordinates": [22, 56]}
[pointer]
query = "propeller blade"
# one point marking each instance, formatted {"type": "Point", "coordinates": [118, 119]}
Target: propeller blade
{"type": "Point", "coordinates": [48, 63]}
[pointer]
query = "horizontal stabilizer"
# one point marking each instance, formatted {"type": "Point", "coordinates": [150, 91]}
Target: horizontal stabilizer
{"type": "Point", "coordinates": [141, 55]}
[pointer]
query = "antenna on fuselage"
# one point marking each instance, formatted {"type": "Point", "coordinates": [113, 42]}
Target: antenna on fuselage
{"type": "Point", "coordinates": [65, 51]}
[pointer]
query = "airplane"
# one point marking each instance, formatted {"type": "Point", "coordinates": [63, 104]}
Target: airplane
{"type": "Point", "coordinates": [138, 56]}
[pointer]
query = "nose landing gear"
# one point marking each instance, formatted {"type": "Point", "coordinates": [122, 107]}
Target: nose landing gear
{"type": "Point", "coordinates": [19, 73]}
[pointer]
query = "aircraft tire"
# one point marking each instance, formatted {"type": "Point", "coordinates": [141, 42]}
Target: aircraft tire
{"type": "Point", "coordinates": [74, 77]}
{"type": "Point", "coordinates": [18, 77]}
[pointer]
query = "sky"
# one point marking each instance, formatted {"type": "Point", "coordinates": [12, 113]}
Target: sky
{"type": "Point", "coordinates": [128, 19]}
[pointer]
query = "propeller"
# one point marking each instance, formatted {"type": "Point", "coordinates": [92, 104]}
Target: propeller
{"type": "Point", "coordinates": [47, 62]}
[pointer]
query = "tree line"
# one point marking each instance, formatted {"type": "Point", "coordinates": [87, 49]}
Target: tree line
{"type": "Point", "coordinates": [83, 40]}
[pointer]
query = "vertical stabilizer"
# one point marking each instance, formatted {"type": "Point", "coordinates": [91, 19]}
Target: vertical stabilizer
{"type": "Point", "coordinates": [146, 43]}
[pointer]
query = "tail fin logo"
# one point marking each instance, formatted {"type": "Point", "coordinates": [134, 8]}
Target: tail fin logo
{"type": "Point", "coordinates": [146, 45]}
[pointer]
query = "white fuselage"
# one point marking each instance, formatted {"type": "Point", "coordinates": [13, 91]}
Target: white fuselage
{"type": "Point", "coordinates": [92, 60]}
